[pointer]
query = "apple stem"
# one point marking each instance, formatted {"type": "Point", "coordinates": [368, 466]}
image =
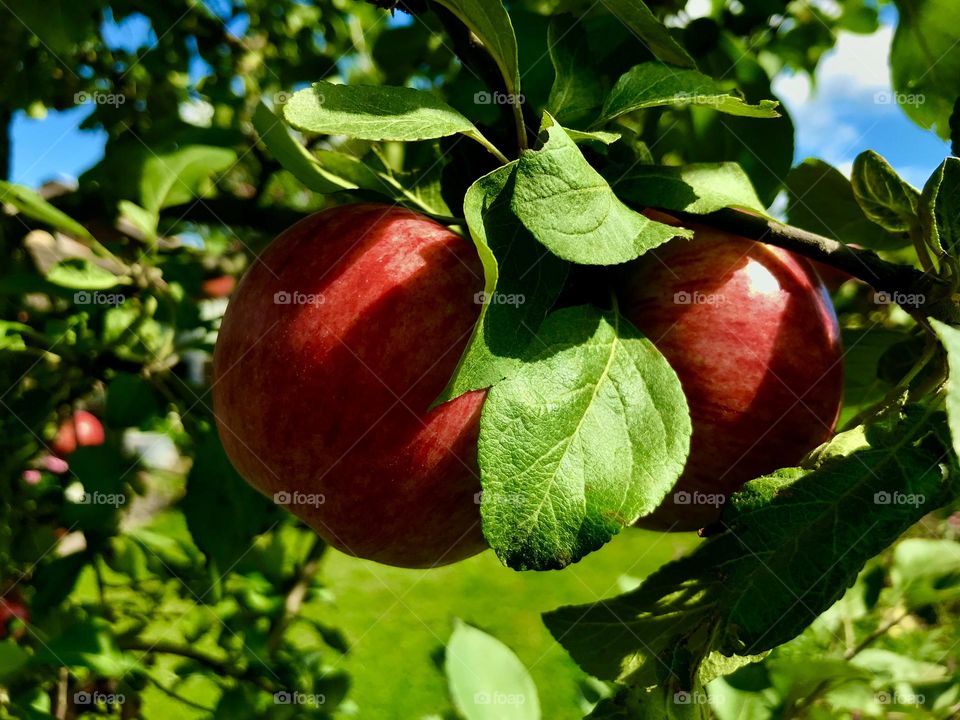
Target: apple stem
{"type": "Point", "coordinates": [893, 278]}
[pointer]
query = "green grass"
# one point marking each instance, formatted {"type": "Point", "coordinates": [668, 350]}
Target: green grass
{"type": "Point", "coordinates": [397, 621]}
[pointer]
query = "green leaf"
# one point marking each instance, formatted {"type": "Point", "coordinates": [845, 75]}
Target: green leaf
{"type": "Point", "coordinates": [82, 274]}
{"type": "Point", "coordinates": [885, 198]}
{"type": "Point", "coordinates": [130, 401]}
{"type": "Point", "coordinates": [644, 24]}
{"type": "Point", "coordinates": [925, 61]}
{"type": "Point", "coordinates": [243, 513]}
{"type": "Point", "coordinates": [794, 541]}
{"type": "Point", "coordinates": [377, 112]}
{"type": "Point", "coordinates": [293, 156]}
{"type": "Point", "coordinates": [181, 176]}
{"type": "Point", "coordinates": [33, 206]}
{"type": "Point", "coordinates": [487, 681]}
{"type": "Point", "coordinates": [521, 282]}
{"type": "Point", "coordinates": [142, 219]}
{"type": "Point", "coordinates": [940, 208]}
{"type": "Point", "coordinates": [821, 200]}
{"type": "Point", "coordinates": [588, 435]}
{"type": "Point", "coordinates": [652, 85]}
{"type": "Point", "coordinates": [950, 337]}
{"type": "Point", "coordinates": [489, 21]}
{"type": "Point", "coordinates": [88, 644]}
{"type": "Point", "coordinates": [576, 90]}
{"type": "Point", "coordinates": [570, 208]}
{"type": "Point", "coordinates": [12, 658]}
{"type": "Point", "coordinates": [926, 571]}
{"type": "Point", "coordinates": [698, 188]}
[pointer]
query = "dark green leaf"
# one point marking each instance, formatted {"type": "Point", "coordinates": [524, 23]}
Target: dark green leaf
{"type": "Point", "coordinates": [821, 200]}
{"type": "Point", "coordinates": [521, 282]}
{"type": "Point", "coordinates": [576, 90]}
{"type": "Point", "coordinates": [792, 543]}
{"type": "Point", "coordinates": [644, 24]}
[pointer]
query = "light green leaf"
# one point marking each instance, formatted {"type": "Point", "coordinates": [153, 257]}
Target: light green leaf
{"type": "Point", "coordinates": [570, 208]}
{"type": "Point", "coordinates": [576, 90]}
{"type": "Point", "coordinates": [82, 274]}
{"type": "Point", "coordinates": [587, 436]}
{"type": "Point", "coordinates": [181, 176]}
{"type": "Point", "coordinates": [697, 188]}
{"type": "Point", "coordinates": [140, 218]}
{"type": "Point", "coordinates": [377, 113]}
{"type": "Point", "coordinates": [654, 34]}
{"type": "Point", "coordinates": [487, 681]}
{"type": "Point", "coordinates": [940, 208]}
{"type": "Point", "coordinates": [821, 200]}
{"type": "Point", "coordinates": [653, 84]}
{"type": "Point", "coordinates": [925, 61]}
{"type": "Point", "coordinates": [926, 571]}
{"type": "Point", "coordinates": [517, 294]}
{"type": "Point", "coordinates": [294, 156]}
{"type": "Point", "coordinates": [950, 337]}
{"type": "Point", "coordinates": [33, 206]}
{"type": "Point", "coordinates": [596, 136]}
{"type": "Point", "coordinates": [885, 198]}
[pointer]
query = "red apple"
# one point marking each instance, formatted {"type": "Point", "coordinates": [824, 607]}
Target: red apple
{"type": "Point", "coordinates": [218, 287]}
{"type": "Point", "coordinates": [80, 430]}
{"type": "Point", "coordinates": [332, 349]}
{"type": "Point", "coordinates": [752, 335]}
{"type": "Point", "coordinates": [12, 606]}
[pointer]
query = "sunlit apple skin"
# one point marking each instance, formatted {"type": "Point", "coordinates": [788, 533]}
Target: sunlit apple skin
{"type": "Point", "coordinates": [82, 429]}
{"type": "Point", "coordinates": [329, 395]}
{"type": "Point", "coordinates": [752, 335]}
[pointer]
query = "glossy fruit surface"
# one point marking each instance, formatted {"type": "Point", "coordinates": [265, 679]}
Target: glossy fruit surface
{"type": "Point", "coordinates": [752, 335]}
{"type": "Point", "coordinates": [81, 429]}
{"type": "Point", "coordinates": [332, 349]}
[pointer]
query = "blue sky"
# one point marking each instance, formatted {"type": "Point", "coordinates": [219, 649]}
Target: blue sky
{"type": "Point", "coordinates": [837, 117]}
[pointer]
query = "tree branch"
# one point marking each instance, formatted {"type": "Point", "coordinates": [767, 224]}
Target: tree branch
{"type": "Point", "coordinates": [892, 278]}
{"type": "Point", "coordinates": [296, 594]}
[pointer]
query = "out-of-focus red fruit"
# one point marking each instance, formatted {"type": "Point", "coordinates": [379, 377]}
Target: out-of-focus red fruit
{"type": "Point", "coordinates": [80, 430]}
{"type": "Point", "coordinates": [31, 477]}
{"type": "Point", "coordinates": [12, 606]}
{"type": "Point", "coordinates": [218, 287]}
{"type": "Point", "coordinates": [752, 335]}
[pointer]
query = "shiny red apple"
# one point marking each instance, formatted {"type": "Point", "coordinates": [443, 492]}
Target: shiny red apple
{"type": "Point", "coordinates": [752, 335]}
{"type": "Point", "coordinates": [332, 349]}
{"type": "Point", "coordinates": [81, 429]}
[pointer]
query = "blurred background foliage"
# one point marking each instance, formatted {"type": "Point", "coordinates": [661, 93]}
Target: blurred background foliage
{"type": "Point", "coordinates": [188, 595]}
